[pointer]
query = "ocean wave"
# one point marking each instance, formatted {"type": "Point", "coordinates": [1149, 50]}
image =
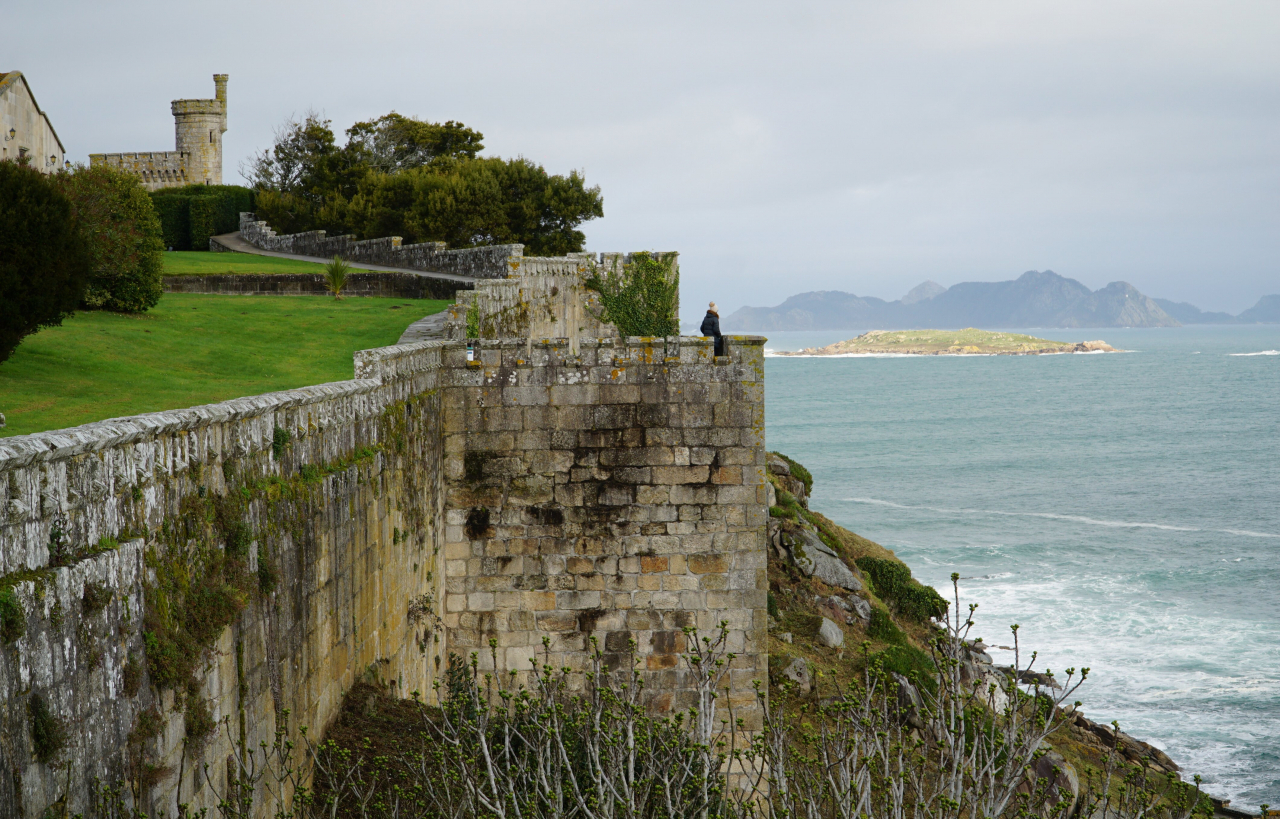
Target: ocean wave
{"type": "Point", "coordinates": [1111, 524]}
{"type": "Point", "coordinates": [1246, 355]}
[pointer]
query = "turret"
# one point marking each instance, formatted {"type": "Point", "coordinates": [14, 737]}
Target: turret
{"type": "Point", "coordinates": [199, 125]}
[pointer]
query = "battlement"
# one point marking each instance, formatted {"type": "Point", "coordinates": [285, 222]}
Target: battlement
{"type": "Point", "coordinates": [198, 126]}
{"type": "Point", "coordinates": [213, 108]}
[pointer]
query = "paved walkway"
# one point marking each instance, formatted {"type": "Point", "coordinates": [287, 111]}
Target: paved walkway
{"type": "Point", "coordinates": [233, 242]}
{"type": "Point", "coordinates": [424, 329]}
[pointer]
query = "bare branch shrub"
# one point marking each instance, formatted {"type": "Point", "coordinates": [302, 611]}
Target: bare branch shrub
{"type": "Point", "coordinates": [951, 744]}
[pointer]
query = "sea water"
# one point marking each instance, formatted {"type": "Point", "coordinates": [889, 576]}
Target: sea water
{"type": "Point", "coordinates": [1122, 508]}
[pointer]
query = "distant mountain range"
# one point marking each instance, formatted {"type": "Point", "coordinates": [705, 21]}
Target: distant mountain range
{"type": "Point", "coordinates": [1034, 299]}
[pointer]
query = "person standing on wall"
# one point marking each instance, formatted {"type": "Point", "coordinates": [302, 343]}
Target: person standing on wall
{"type": "Point", "coordinates": [711, 327]}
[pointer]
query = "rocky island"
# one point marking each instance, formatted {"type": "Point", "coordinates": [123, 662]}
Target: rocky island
{"type": "Point", "coordinates": [951, 342]}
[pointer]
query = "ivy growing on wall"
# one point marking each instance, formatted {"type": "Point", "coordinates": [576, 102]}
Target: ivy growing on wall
{"type": "Point", "coordinates": [640, 298]}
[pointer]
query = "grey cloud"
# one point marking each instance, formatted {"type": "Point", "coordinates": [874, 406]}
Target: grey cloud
{"type": "Point", "coordinates": [781, 147]}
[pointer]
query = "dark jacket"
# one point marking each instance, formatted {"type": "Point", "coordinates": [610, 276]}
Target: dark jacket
{"type": "Point", "coordinates": [711, 324]}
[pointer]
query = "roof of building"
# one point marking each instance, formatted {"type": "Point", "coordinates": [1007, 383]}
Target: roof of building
{"type": "Point", "coordinates": [8, 78]}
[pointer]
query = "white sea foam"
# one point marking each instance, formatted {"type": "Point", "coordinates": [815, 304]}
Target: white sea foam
{"type": "Point", "coordinates": [1246, 355]}
{"type": "Point", "coordinates": [1112, 524]}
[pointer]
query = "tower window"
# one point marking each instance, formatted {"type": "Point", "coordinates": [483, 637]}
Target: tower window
{"type": "Point", "coordinates": [211, 137]}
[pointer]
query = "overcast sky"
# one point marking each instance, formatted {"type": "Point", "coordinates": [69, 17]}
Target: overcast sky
{"type": "Point", "coordinates": [780, 147]}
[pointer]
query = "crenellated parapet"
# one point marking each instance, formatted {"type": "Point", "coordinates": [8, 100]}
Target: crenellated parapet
{"type": "Point", "coordinates": [197, 158]}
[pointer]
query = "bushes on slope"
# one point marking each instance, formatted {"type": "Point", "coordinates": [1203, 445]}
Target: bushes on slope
{"type": "Point", "coordinates": [122, 233]}
{"type": "Point", "coordinates": [44, 260]}
{"type": "Point", "coordinates": [893, 582]}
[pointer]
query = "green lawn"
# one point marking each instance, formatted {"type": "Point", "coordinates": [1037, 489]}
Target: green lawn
{"type": "Point", "coordinates": [204, 263]}
{"type": "Point", "coordinates": [189, 350]}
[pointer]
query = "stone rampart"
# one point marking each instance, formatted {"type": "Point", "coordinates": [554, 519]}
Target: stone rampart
{"type": "Point", "coordinates": [449, 495]}
{"type": "Point", "coordinates": [314, 512]}
{"type": "Point", "coordinates": [540, 299]}
{"type": "Point", "coordinates": [197, 158]}
{"type": "Point", "coordinates": [614, 495]}
{"type": "Point", "coordinates": [359, 283]}
{"type": "Point", "coordinates": [489, 262]}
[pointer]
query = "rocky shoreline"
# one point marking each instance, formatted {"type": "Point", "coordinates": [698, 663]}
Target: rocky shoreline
{"type": "Point", "coordinates": [843, 602]}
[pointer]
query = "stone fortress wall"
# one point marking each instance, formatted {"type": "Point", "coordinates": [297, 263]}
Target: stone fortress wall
{"type": "Point", "coordinates": [453, 493]}
{"type": "Point", "coordinates": [486, 262]}
{"type": "Point", "coordinates": [197, 158]}
{"type": "Point", "coordinates": [616, 492]}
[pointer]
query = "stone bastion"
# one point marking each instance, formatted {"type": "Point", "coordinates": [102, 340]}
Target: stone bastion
{"type": "Point", "coordinates": [453, 497]}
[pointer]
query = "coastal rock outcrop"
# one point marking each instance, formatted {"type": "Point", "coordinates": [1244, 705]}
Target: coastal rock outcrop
{"type": "Point", "coordinates": [817, 559]}
{"type": "Point", "coordinates": [798, 673]}
{"type": "Point", "coordinates": [829, 634]}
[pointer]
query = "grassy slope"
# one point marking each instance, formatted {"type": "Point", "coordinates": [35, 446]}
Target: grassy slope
{"type": "Point", "coordinates": [191, 350]}
{"type": "Point", "coordinates": [203, 263]}
{"type": "Point", "coordinates": [968, 340]}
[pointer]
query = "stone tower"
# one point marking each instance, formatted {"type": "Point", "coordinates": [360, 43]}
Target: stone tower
{"type": "Point", "coordinates": [200, 125]}
{"type": "Point", "coordinates": [197, 159]}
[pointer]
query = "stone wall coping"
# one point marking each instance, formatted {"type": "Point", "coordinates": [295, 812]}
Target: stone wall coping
{"type": "Point", "coordinates": [630, 341]}
{"type": "Point", "coordinates": [23, 450]}
{"type": "Point", "coordinates": [371, 368]}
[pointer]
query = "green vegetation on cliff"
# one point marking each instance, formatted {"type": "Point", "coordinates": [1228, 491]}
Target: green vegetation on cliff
{"type": "Point", "coordinates": [190, 350]}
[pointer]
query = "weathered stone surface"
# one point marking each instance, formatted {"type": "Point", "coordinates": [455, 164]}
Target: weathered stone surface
{"type": "Point", "coordinates": [859, 607]}
{"type": "Point", "coordinates": [436, 501]}
{"type": "Point", "coordinates": [829, 634]}
{"type": "Point", "coordinates": [798, 673]}
{"type": "Point", "coordinates": [630, 518]}
{"type": "Point", "coordinates": [1063, 781]}
{"type": "Point", "coordinates": [816, 559]}
{"type": "Point", "coordinates": [909, 700]}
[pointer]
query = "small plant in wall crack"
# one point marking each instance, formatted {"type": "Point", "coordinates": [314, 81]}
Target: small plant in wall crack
{"type": "Point", "coordinates": [422, 610]}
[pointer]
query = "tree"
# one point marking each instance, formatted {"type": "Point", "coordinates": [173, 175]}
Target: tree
{"type": "Point", "coordinates": [422, 181]}
{"type": "Point", "coordinates": [304, 161]}
{"type": "Point", "coordinates": [44, 262]}
{"type": "Point", "coordinates": [394, 142]}
{"type": "Point", "coordinates": [122, 232]}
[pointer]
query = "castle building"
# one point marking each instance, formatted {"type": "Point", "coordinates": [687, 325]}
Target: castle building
{"type": "Point", "coordinates": [199, 126]}
{"type": "Point", "coordinates": [26, 129]}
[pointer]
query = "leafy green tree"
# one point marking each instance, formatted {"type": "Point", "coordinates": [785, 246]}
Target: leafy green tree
{"type": "Point", "coordinates": [422, 181]}
{"type": "Point", "coordinates": [44, 260]}
{"type": "Point", "coordinates": [305, 161]}
{"type": "Point", "coordinates": [123, 234]}
{"type": "Point", "coordinates": [395, 142]}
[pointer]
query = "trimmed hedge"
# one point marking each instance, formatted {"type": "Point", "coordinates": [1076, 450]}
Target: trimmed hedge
{"type": "Point", "coordinates": [175, 224]}
{"type": "Point", "coordinates": [44, 258]}
{"type": "Point", "coordinates": [191, 214]}
{"type": "Point", "coordinates": [894, 584]}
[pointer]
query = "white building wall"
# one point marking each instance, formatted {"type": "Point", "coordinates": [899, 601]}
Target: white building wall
{"type": "Point", "coordinates": [32, 132]}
